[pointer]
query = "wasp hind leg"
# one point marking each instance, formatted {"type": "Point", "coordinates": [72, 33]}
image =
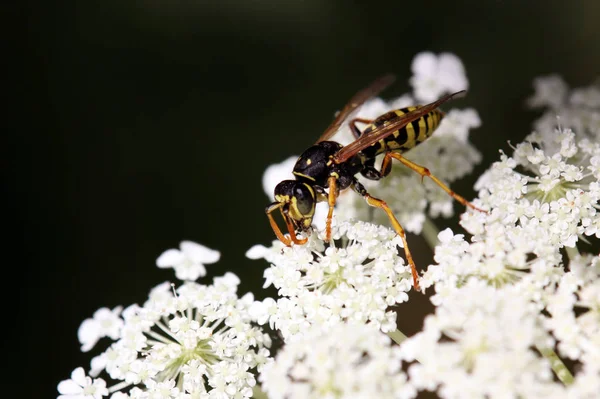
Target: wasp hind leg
{"type": "Point", "coordinates": [377, 203]}
{"type": "Point", "coordinates": [423, 171]}
{"type": "Point", "coordinates": [354, 129]}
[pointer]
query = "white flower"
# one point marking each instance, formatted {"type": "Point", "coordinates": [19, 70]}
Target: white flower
{"type": "Point", "coordinates": [436, 75]}
{"type": "Point", "coordinates": [82, 387]}
{"type": "Point", "coordinates": [189, 260]}
{"type": "Point", "coordinates": [348, 361]}
{"type": "Point", "coordinates": [105, 323]}
{"type": "Point", "coordinates": [550, 91]}
{"type": "Point", "coordinates": [356, 279]}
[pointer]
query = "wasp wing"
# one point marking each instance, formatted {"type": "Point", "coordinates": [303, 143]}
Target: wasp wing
{"type": "Point", "coordinates": [356, 101]}
{"type": "Point", "coordinates": [390, 127]}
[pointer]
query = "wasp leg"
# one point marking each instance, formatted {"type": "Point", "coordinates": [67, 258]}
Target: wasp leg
{"type": "Point", "coordinates": [377, 203]}
{"type": "Point", "coordinates": [291, 229]}
{"type": "Point", "coordinates": [423, 171]}
{"type": "Point", "coordinates": [278, 233]}
{"type": "Point", "coordinates": [331, 199]}
{"type": "Point", "coordinates": [355, 131]}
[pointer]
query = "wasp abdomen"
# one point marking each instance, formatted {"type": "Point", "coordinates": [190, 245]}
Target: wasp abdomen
{"type": "Point", "coordinates": [407, 137]}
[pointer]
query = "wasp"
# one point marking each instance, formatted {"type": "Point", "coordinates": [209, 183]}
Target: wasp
{"type": "Point", "coordinates": [327, 168]}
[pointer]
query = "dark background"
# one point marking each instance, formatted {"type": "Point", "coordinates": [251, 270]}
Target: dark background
{"type": "Point", "coordinates": [147, 122]}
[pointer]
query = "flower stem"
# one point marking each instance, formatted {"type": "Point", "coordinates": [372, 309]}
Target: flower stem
{"type": "Point", "coordinates": [397, 335]}
{"type": "Point", "coordinates": [258, 393]}
{"type": "Point", "coordinates": [430, 232]}
{"type": "Point", "coordinates": [559, 368]}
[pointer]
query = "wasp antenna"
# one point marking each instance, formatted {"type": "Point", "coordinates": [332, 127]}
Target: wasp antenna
{"type": "Point", "coordinates": [459, 94]}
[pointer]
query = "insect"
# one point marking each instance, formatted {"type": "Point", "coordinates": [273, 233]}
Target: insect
{"type": "Point", "coordinates": [327, 167]}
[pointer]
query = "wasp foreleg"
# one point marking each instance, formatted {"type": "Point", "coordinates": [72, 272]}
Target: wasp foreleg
{"type": "Point", "coordinates": [278, 233]}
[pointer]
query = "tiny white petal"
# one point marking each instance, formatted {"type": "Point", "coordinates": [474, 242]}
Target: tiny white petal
{"type": "Point", "coordinates": [199, 253]}
{"type": "Point", "coordinates": [256, 252]}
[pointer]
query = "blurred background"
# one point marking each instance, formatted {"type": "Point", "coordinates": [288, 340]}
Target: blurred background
{"type": "Point", "coordinates": [149, 122]}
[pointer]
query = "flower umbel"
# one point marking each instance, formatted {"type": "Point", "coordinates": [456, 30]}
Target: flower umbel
{"type": "Point", "coordinates": [193, 341]}
{"type": "Point", "coordinates": [356, 278]}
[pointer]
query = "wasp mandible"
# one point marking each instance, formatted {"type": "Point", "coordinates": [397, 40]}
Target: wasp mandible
{"type": "Point", "coordinates": [327, 168]}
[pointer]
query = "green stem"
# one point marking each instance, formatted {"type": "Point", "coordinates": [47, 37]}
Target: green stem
{"type": "Point", "coordinates": [258, 393]}
{"type": "Point", "coordinates": [397, 335]}
{"type": "Point", "coordinates": [559, 368]}
{"type": "Point", "coordinates": [430, 232]}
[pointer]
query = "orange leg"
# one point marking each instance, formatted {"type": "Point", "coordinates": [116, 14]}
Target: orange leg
{"type": "Point", "coordinates": [287, 241]}
{"type": "Point", "coordinates": [278, 233]}
{"type": "Point", "coordinates": [332, 181]}
{"type": "Point", "coordinates": [386, 166]}
{"type": "Point", "coordinates": [376, 202]}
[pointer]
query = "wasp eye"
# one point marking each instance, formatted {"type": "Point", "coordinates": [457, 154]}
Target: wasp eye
{"type": "Point", "coordinates": [305, 200]}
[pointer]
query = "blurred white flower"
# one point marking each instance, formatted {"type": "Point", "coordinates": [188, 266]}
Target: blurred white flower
{"type": "Point", "coordinates": [188, 261]}
{"type": "Point", "coordinates": [577, 110]}
{"type": "Point", "coordinates": [550, 91]}
{"type": "Point", "coordinates": [351, 360]}
{"type": "Point", "coordinates": [276, 173]}
{"type": "Point", "coordinates": [434, 75]}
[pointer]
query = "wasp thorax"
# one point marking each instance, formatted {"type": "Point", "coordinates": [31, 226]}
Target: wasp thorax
{"type": "Point", "coordinates": [299, 202]}
{"type": "Point", "coordinates": [314, 164]}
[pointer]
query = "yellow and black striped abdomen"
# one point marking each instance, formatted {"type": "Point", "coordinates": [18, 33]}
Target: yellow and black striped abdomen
{"type": "Point", "coordinates": [407, 137]}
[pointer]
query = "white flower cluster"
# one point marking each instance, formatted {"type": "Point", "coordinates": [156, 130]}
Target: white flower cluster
{"type": "Point", "coordinates": [196, 342]}
{"type": "Point", "coordinates": [578, 109]}
{"type": "Point", "coordinates": [542, 199]}
{"type": "Point", "coordinates": [356, 279]}
{"type": "Point", "coordinates": [490, 291]}
{"type": "Point", "coordinates": [481, 343]}
{"type": "Point", "coordinates": [348, 361]}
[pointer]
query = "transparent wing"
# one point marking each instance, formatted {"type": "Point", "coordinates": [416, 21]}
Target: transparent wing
{"type": "Point", "coordinates": [383, 131]}
{"type": "Point", "coordinates": [356, 101]}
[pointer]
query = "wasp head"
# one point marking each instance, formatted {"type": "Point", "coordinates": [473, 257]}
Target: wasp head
{"type": "Point", "coordinates": [297, 201]}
